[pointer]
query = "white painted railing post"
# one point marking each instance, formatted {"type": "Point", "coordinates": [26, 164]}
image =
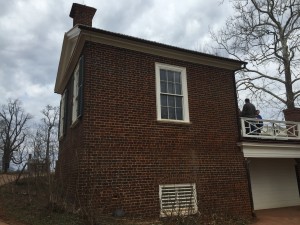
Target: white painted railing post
{"type": "Point", "coordinates": [298, 130]}
{"type": "Point", "coordinates": [243, 126]}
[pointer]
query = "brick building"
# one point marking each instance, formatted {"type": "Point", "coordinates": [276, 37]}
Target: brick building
{"type": "Point", "coordinates": [147, 128]}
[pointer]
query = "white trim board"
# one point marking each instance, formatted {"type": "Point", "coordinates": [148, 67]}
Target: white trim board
{"type": "Point", "coordinates": [269, 150]}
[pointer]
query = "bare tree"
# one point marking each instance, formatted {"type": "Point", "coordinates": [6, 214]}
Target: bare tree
{"type": "Point", "coordinates": [266, 34]}
{"type": "Point", "coordinates": [38, 143]}
{"type": "Point", "coordinates": [45, 142]}
{"type": "Point", "coordinates": [50, 122]}
{"type": "Point", "coordinates": [2, 125]}
{"type": "Point", "coordinates": [13, 133]}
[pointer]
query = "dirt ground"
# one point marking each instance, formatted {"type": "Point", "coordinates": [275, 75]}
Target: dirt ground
{"type": "Point", "coordinates": [10, 222]}
{"type": "Point", "coordinates": [4, 220]}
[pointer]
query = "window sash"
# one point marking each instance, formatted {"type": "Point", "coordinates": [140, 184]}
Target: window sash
{"type": "Point", "coordinates": [62, 114]}
{"type": "Point", "coordinates": [171, 107]}
{"type": "Point", "coordinates": [75, 94]}
{"type": "Point", "coordinates": [170, 82]}
{"type": "Point", "coordinates": [171, 93]}
{"type": "Point", "coordinates": [80, 87]}
{"type": "Point", "coordinates": [77, 103]}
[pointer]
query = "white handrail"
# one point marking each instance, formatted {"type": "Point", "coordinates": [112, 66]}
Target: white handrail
{"type": "Point", "coordinates": [270, 129]}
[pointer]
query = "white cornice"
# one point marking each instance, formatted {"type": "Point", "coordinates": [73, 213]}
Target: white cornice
{"type": "Point", "coordinates": [164, 51]}
{"type": "Point", "coordinates": [270, 150]}
{"type": "Point", "coordinates": [73, 32]}
{"type": "Point", "coordinates": [69, 42]}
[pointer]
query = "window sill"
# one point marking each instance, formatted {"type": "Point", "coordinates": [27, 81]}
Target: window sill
{"type": "Point", "coordinates": [175, 122]}
{"type": "Point", "coordinates": [75, 123]}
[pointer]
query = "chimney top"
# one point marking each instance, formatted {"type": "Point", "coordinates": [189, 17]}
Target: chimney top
{"type": "Point", "coordinates": [82, 14]}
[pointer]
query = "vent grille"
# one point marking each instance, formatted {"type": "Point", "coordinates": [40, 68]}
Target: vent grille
{"type": "Point", "coordinates": [178, 199]}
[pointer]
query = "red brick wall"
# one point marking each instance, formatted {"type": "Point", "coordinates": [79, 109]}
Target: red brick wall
{"type": "Point", "coordinates": [292, 114]}
{"type": "Point", "coordinates": [125, 153]}
{"type": "Point", "coordinates": [70, 150]}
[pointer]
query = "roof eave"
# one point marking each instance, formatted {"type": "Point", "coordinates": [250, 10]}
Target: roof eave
{"type": "Point", "coordinates": [133, 43]}
{"type": "Point", "coordinates": [75, 38]}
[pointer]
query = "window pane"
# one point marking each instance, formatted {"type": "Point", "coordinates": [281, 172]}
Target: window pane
{"type": "Point", "coordinates": [163, 100]}
{"type": "Point", "coordinates": [163, 87]}
{"type": "Point", "coordinates": [171, 101]}
{"type": "Point", "coordinates": [179, 114]}
{"type": "Point", "coordinates": [170, 75]}
{"type": "Point", "coordinates": [178, 102]}
{"type": "Point", "coordinates": [163, 75]}
{"type": "Point", "coordinates": [164, 112]}
{"type": "Point", "coordinates": [178, 89]}
{"type": "Point", "coordinates": [171, 88]}
{"type": "Point", "coordinates": [172, 113]}
{"type": "Point", "coordinates": [177, 77]}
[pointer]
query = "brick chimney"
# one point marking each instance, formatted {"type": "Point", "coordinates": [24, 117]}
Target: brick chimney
{"type": "Point", "coordinates": [82, 14]}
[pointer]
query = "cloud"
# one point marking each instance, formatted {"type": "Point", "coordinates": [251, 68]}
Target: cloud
{"type": "Point", "coordinates": [32, 33]}
{"type": "Point", "coordinates": [179, 23]}
{"type": "Point", "coordinates": [29, 52]}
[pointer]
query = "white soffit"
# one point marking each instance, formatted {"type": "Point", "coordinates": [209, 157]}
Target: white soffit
{"type": "Point", "coordinates": [270, 150]}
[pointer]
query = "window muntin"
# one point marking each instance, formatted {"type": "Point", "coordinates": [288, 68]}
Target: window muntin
{"type": "Point", "coordinates": [171, 96]}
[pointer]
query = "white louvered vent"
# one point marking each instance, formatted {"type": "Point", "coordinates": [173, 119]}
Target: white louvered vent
{"type": "Point", "coordinates": [178, 199]}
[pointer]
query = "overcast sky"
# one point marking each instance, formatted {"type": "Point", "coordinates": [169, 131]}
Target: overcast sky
{"type": "Point", "coordinates": [31, 35]}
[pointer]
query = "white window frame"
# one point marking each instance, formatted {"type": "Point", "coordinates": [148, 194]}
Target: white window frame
{"type": "Point", "coordinates": [185, 105]}
{"type": "Point", "coordinates": [75, 94]}
{"type": "Point", "coordinates": [62, 115]}
{"type": "Point", "coordinates": [165, 210]}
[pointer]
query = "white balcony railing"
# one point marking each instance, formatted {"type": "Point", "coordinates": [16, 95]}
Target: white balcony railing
{"type": "Point", "coordinates": [270, 129]}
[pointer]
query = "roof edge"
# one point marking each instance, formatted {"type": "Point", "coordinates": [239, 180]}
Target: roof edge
{"type": "Point", "coordinates": [119, 36]}
{"type": "Point", "coordinates": [75, 39]}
